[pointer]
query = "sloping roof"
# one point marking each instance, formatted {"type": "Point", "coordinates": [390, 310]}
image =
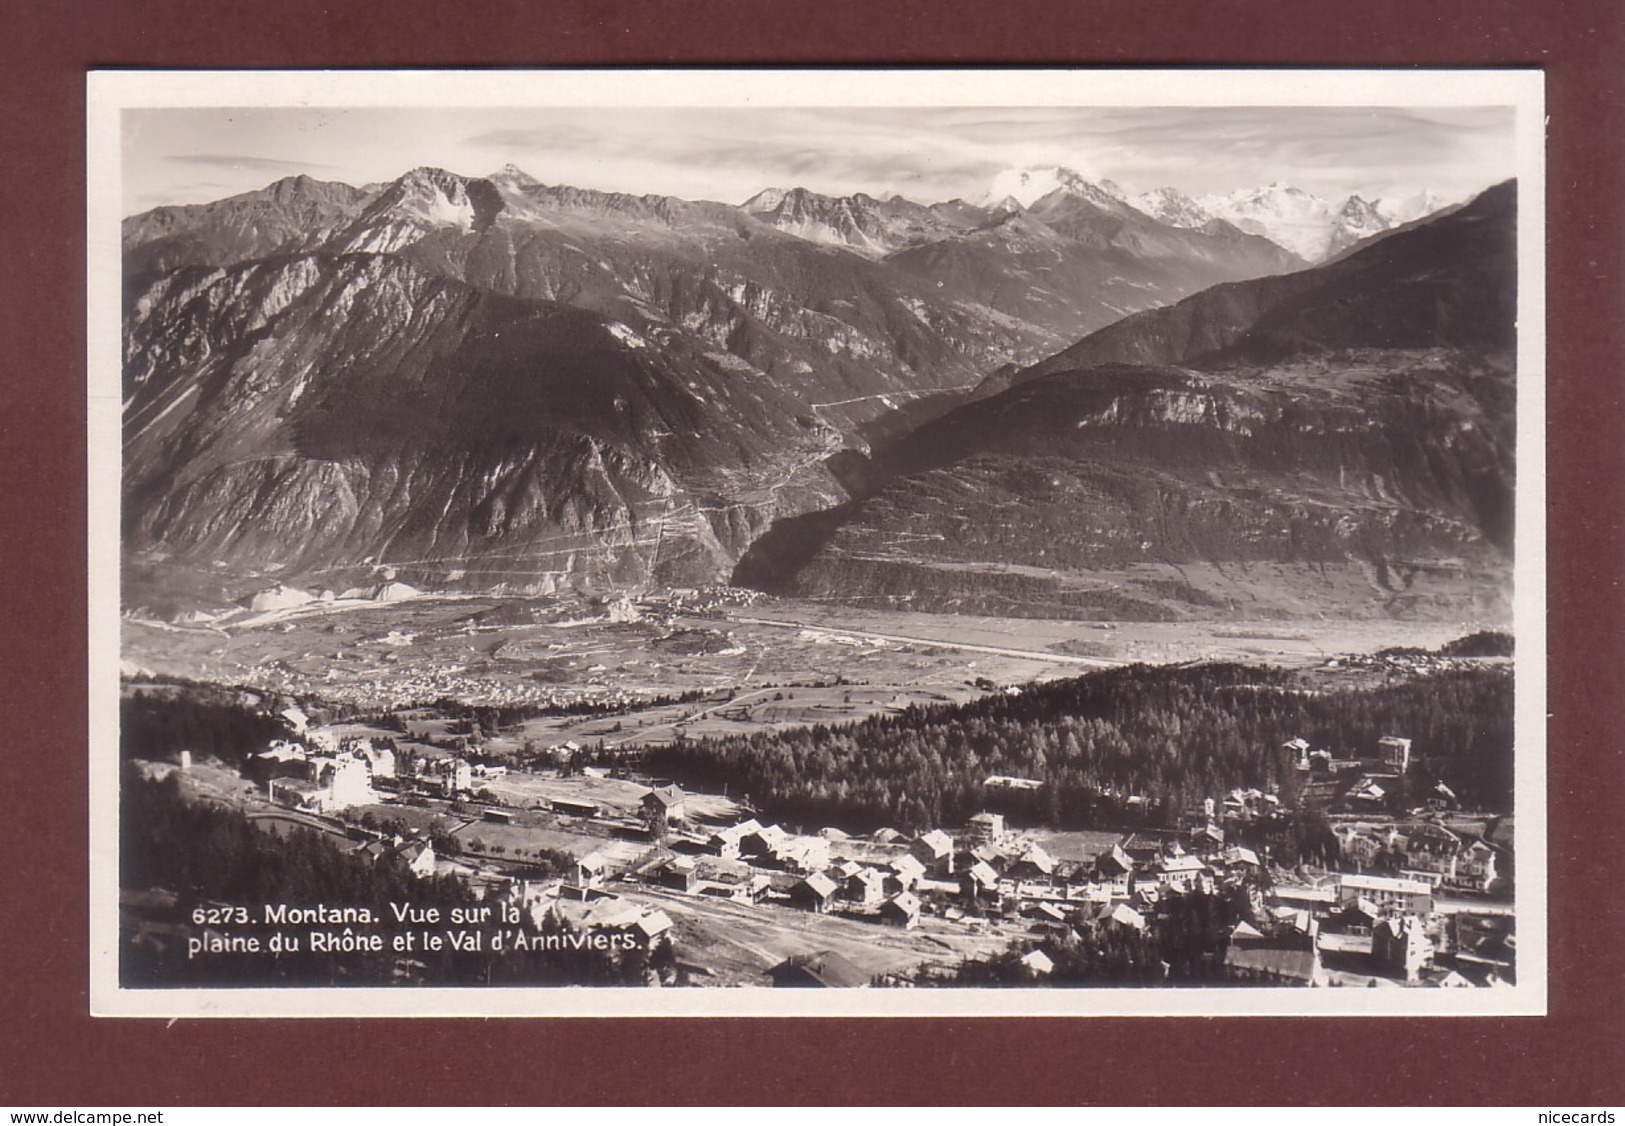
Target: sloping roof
{"type": "Point", "coordinates": [820, 884]}
{"type": "Point", "coordinates": [938, 842]}
{"type": "Point", "coordinates": [906, 902]}
{"type": "Point", "coordinates": [1292, 965]}
{"type": "Point", "coordinates": [667, 796]}
{"type": "Point", "coordinates": [1038, 962]}
{"type": "Point", "coordinates": [907, 866]}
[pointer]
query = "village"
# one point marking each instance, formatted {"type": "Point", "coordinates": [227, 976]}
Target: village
{"type": "Point", "coordinates": [1417, 896]}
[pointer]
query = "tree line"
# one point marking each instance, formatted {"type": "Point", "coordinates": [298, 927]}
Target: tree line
{"type": "Point", "coordinates": [1110, 749]}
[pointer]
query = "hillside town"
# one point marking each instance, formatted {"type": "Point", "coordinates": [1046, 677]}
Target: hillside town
{"type": "Point", "coordinates": [1414, 895]}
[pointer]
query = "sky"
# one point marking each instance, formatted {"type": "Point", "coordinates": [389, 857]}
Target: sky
{"type": "Point", "coordinates": [193, 155]}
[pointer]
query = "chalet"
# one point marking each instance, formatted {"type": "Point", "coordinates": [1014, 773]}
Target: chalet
{"type": "Point", "coordinates": [1114, 863]}
{"type": "Point", "coordinates": [979, 882]}
{"type": "Point", "coordinates": [1038, 963]}
{"type": "Point", "coordinates": [935, 850]}
{"type": "Point", "coordinates": [764, 840]}
{"type": "Point", "coordinates": [1290, 959]}
{"type": "Point", "coordinates": [1367, 791]}
{"type": "Point", "coordinates": [904, 873]}
{"type": "Point", "coordinates": [574, 807]}
{"type": "Point", "coordinates": [801, 854]}
{"type": "Point", "coordinates": [985, 828]}
{"type": "Point", "coordinates": [1033, 864]}
{"type": "Point", "coordinates": [680, 873]}
{"type": "Point", "coordinates": [726, 843]}
{"type": "Point", "coordinates": [669, 801]}
{"type": "Point", "coordinates": [865, 887]}
{"type": "Point", "coordinates": [901, 910]}
{"type": "Point", "coordinates": [825, 969]}
{"type": "Point", "coordinates": [1400, 945]}
{"type": "Point", "coordinates": [1120, 916]}
{"type": "Point", "coordinates": [591, 870]}
{"type": "Point", "coordinates": [1143, 849]}
{"type": "Point", "coordinates": [1238, 858]}
{"type": "Point", "coordinates": [814, 893]}
{"type": "Point", "coordinates": [419, 857]}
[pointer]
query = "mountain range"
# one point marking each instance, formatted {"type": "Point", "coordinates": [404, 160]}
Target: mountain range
{"type": "Point", "coordinates": [1338, 439]}
{"type": "Point", "coordinates": [492, 382]}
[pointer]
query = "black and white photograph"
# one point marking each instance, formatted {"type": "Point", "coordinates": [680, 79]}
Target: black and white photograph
{"type": "Point", "coordinates": [988, 542]}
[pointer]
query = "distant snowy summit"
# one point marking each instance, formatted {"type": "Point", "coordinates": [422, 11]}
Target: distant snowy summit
{"type": "Point", "coordinates": [1312, 227]}
{"type": "Point", "coordinates": [1024, 187]}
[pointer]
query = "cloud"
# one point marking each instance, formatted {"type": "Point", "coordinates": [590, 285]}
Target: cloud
{"type": "Point", "coordinates": [256, 163]}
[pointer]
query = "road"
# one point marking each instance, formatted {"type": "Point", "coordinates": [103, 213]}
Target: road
{"type": "Point", "coordinates": [962, 646]}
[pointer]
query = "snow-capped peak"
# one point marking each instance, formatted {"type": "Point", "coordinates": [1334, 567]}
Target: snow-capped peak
{"type": "Point", "coordinates": [511, 175]}
{"type": "Point", "coordinates": [1026, 186]}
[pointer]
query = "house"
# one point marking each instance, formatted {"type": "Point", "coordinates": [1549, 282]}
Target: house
{"type": "Point", "coordinates": [1400, 945]}
{"type": "Point", "coordinates": [801, 854]}
{"type": "Point", "coordinates": [1208, 839]}
{"type": "Point", "coordinates": [763, 840]}
{"type": "Point", "coordinates": [935, 850]}
{"type": "Point", "coordinates": [1475, 866]}
{"type": "Point", "coordinates": [730, 879]}
{"type": "Point", "coordinates": [669, 801]}
{"type": "Point", "coordinates": [979, 882]}
{"type": "Point", "coordinates": [825, 969]}
{"type": "Point", "coordinates": [901, 910]}
{"type": "Point", "coordinates": [1113, 864]}
{"type": "Point", "coordinates": [1368, 791]}
{"type": "Point", "coordinates": [1038, 963]}
{"type": "Point", "coordinates": [1430, 853]}
{"type": "Point", "coordinates": [1387, 892]}
{"type": "Point", "coordinates": [591, 870]}
{"type": "Point", "coordinates": [1237, 857]}
{"type": "Point", "coordinates": [1033, 864]}
{"type": "Point", "coordinates": [905, 873]}
{"type": "Point", "coordinates": [419, 857]}
{"type": "Point", "coordinates": [1119, 915]}
{"type": "Point", "coordinates": [814, 893]}
{"type": "Point", "coordinates": [985, 828]}
{"type": "Point", "coordinates": [1298, 749]}
{"type": "Point", "coordinates": [679, 873]}
{"type": "Point", "coordinates": [1395, 752]}
{"type": "Point", "coordinates": [1008, 782]}
{"type": "Point", "coordinates": [727, 843]}
{"type": "Point", "coordinates": [574, 807]}
{"type": "Point", "coordinates": [453, 776]}
{"type": "Point", "coordinates": [1291, 958]}
{"type": "Point", "coordinates": [865, 887]}
{"type": "Point", "coordinates": [1182, 872]}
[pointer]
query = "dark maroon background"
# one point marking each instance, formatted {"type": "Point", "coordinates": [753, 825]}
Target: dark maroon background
{"type": "Point", "coordinates": [52, 1053]}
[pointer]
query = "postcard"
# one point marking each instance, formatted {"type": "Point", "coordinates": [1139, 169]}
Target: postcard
{"type": "Point", "coordinates": [812, 543]}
